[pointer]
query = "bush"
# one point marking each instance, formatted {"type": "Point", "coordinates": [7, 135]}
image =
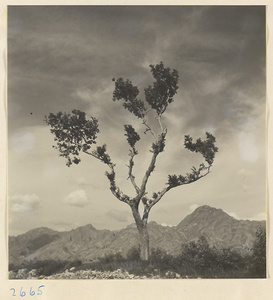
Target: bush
{"type": "Point", "coordinates": [196, 260]}
{"type": "Point", "coordinates": [257, 263]}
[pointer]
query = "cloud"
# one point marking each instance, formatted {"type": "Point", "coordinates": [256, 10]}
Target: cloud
{"type": "Point", "coordinates": [247, 146]}
{"type": "Point", "coordinates": [166, 225]}
{"type": "Point", "coordinates": [118, 215]}
{"type": "Point", "coordinates": [64, 226]}
{"type": "Point", "coordinates": [193, 207]}
{"type": "Point", "coordinates": [234, 215]}
{"type": "Point", "coordinates": [24, 203]}
{"type": "Point", "coordinates": [259, 217]}
{"type": "Point", "coordinates": [245, 173]}
{"type": "Point", "coordinates": [22, 141]}
{"type": "Point", "coordinates": [77, 198]}
{"type": "Point", "coordinates": [84, 94]}
{"type": "Point", "coordinates": [65, 57]}
{"type": "Point", "coordinates": [81, 181]}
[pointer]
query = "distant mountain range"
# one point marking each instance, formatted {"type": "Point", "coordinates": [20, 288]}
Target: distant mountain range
{"type": "Point", "coordinates": [87, 243]}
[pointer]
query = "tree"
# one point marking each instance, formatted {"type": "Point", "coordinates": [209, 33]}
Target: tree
{"type": "Point", "coordinates": [74, 133]}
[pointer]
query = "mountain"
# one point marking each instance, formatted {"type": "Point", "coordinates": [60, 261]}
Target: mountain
{"type": "Point", "coordinates": [219, 228]}
{"type": "Point", "coordinates": [23, 245]}
{"type": "Point", "coordinates": [86, 243]}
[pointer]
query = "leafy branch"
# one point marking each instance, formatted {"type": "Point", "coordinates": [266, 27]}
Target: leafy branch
{"type": "Point", "coordinates": [132, 138]}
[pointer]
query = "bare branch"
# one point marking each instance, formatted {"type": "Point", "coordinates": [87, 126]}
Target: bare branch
{"type": "Point", "coordinates": [158, 118]}
{"type": "Point", "coordinates": [148, 128]}
{"type": "Point", "coordinates": [131, 176]}
{"type": "Point", "coordinates": [156, 149]}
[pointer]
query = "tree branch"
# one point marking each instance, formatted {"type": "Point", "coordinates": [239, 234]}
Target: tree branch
{"type": "Point", "coordinates": [148, 128]}
{"type": "Point", "coordinates": [156, 149]}
{"type": "Point", "coordinates": [189, 179]}
{"type": "Point", "coordinates": [116, 191]}
{"type": "Point", "coordinates": [131, 164]}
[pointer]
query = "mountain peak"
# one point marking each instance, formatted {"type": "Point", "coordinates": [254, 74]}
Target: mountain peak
{"type": "Point", "coordinates": [206, 209]}
{"type": "Point", "coordinates": [205, 215]}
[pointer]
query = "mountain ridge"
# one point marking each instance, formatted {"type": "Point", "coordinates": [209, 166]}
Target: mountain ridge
{"type": "Point", "coordinates": [86, 243]}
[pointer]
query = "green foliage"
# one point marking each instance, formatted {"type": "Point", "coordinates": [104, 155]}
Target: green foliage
{"type": "Point", "coordinates": [164, 88]}
{"type": "Point", "coordinates": [132, 136]}
{"type": "Point", "coordinates": [73, 133]}
{"type": "Point", "coordinates": [160, 144]}
{"type": "Point", "coordinates": [197, 259]}
{"type": "Point", "coordinates": [124, 90]}
{"type": "Point", "coordinates": [133, 254]}
{"type": "Point", "coordinates": [155, 196]}
{"type": "Point", "coordinates": [162, 261]}
{"type": "Point", "coordinates": [207, 148]}
{"type": "Point", "coordinates": [258, 259]}
{"type": "Point", "coordinates": [158, 96]}
{"type": "Point", "coordinates": [173, 180]}
{"type": "Point", "coordinates": [101, 154]}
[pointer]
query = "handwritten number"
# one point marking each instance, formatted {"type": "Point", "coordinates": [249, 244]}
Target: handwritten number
{"type": "Point", "coordinates": [22, 293]}
{"type": "Point", "coordinates": [13, 292]}
{"type": "Point", "coordinates": [39, 291]}
{"type": "Point", "coordinates": [31, 292]}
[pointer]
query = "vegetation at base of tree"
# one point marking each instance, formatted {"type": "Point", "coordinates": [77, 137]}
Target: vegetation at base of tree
{"type": "Point", "coordinates": [196, 260]}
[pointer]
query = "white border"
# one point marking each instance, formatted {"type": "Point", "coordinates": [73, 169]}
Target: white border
{"type": "Point", "coordinates": [250, 289]}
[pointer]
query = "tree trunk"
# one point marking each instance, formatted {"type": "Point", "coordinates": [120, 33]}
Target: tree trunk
{"type": "Point", "coordinates": [143, 235]}
{"type": "Point", "coordinates": [144, 243]}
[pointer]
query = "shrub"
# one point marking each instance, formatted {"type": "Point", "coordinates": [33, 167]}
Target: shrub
{"type": "Point", "coordinates": [257, 262]}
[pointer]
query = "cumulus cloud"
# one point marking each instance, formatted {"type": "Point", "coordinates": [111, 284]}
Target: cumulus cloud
{"type": "Point", "coordinates": [24, 203]}
{"type": "Point", "coordinates": [77, 198]}
{"type": "Point", "coordinates": [257, 217]}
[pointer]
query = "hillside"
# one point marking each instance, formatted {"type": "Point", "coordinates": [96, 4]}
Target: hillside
{"type": "Point", "coordinates": [87, 243]}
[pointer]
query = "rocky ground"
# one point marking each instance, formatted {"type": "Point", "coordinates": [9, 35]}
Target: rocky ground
{"type": "Point", "coordinates": [88, 274]}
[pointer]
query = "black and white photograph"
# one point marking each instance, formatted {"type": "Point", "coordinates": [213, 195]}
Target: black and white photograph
{"type": "Point", "coordinates": [137, 142]}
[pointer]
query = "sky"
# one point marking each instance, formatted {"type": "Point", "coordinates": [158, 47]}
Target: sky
{"type": "Point", "coordinates": [64, 57]}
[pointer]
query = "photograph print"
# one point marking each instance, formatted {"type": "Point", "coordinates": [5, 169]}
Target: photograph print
{"type": "Point", "coordinates": [136, 142]}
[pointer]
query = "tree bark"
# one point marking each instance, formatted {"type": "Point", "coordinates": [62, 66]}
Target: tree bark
{"type": "Point", "coordinates": [143, 235]}
{"type": "Point", "coordinates": [144, 243]}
